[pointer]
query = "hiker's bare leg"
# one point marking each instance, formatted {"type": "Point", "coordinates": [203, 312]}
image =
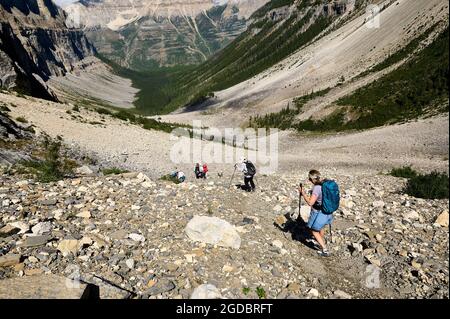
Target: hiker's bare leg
{"type": "Point", "coordinates": [319, 239]}
{"type": "Point", "coordinates": [322, 233]}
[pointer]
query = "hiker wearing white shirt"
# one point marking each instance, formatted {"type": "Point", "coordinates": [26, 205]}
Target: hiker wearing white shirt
{"type": "Point", "coordinates": [179, 175]}
{"type": "Point", "coordinates": [249, 171]}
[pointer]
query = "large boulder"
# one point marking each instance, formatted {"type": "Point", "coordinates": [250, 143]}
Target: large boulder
{"type": "Point", "coordinates": [214, 231]}
{"type": "Point", "coordinates": [106, 288]}
{"type": "Point", "coordinates": [36, 241]}
{"type": "Point", "coordinates": [8, 230]}
{"type": "Point", "coordinates": [68, 246]}
{"type": "Point", "coordinates": [305, 212]}
{"type": "Point", "coordinates": [10, 157]}
{"type": "Point", "coordinates": [9, 127]}
{"type": "Point", "coordinates": [42, 228]}
{"type": "Point", "coordinates": [84, 170]}
{"type": "Point", "coordinates": [45, 287]}
{"type": "Point", "coordinates": [162, 286]}
{"type": "Point", "coordinates": [442, 219]}
{"type": "Point", "coordinates": [206, 292]}
{"type": "Point", "coordinates": [10, 260]}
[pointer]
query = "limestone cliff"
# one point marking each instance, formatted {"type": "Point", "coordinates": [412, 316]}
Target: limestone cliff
{"type": "Point", "coordinates": [36, 44]}
{"type": "Point", "coordinates": [143, 34]}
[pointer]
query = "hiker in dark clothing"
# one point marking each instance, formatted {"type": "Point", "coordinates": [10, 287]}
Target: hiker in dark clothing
{"type": "Point", "coordinates": [197, 171]}
{"type": "Point", "coordinates": [201, 171]}
{"type": "Point", "coordinates": [249, 171]}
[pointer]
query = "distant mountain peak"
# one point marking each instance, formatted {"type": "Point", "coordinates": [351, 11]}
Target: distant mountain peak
{"type": "Point", "coordinates": [142, 34]}
{"type": "Point", "coordinates": [116, 14]}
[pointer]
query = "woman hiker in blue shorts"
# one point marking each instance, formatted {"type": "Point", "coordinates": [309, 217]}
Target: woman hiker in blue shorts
{"type": "Point", "coordinates": [317, 220]}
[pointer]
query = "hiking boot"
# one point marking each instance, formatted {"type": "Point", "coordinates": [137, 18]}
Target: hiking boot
{"type": "Point", "coordinates": [313, 244]}
{"type": "Point", "coordinates": [324, 253]}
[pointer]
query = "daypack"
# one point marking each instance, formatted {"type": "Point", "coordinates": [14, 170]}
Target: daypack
{"type": "Point", "coordinates": [251, 169]}
{"type": "Point", "coordinates": [330, 197]}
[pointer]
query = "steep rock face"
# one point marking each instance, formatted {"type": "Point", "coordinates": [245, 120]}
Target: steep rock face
{"type": "Point", "coordinates": [7, 71]}
{"type": "Point", "coordinates": [8, 128]}
{"type": "Point", "coordinates": [143, 34]}
{"type": "Point", "coordinates": [36, 44]}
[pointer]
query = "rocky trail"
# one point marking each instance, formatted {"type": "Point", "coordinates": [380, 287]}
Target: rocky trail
{"type": "Point", "coordinates": [135, 236]}
{"type": "Point", "coordinates": [132, 236]}
{"type": "Point", "coordinates": [85, 210]}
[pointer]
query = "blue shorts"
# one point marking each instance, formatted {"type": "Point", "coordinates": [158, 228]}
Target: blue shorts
{"type": "Point", "coordinates": [318, 220]}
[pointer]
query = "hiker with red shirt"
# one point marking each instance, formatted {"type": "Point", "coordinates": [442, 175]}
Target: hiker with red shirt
{"type": "Point", "coordinates": [205, 171]}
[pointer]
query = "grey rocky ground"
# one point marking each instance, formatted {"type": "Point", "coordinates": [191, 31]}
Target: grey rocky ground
{"type": "Point", "coordinates": [132, 235]}
{"type": "Point", "coordinates": [129, 231]}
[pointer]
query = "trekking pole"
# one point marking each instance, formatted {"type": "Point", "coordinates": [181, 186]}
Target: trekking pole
{"type": "Point", "coordinates": [331, 234]}
{"type": "Point", "coordinates": [299, 203]}
{"type": "Point", "coordinates": [232, 177]}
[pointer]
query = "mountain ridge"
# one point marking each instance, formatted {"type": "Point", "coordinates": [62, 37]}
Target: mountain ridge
{"type": "Point", "coordinates": [151, 34]}
{"type": "Point", "coordinates": [347, 54]}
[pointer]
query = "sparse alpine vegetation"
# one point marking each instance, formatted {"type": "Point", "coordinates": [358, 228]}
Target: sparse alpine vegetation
{"type": "Point", "coordinates": [406, 93]}
{"type": "Point", "coordinates": [429, 186]}
{"type": "Point", "coordinates": [284, 119]}
{"type": "Point", "coordinates": [416, 88]}
{"type": "Point", "coordinates": [170, 178]}
{"type": "Point", "coordinates": [21, 119]}
{"type": "Point", "coordinates": [133, 118]}
{"type": "Point", "coordinates": [4, 108]}
{"type": "Point", "coordinates": [147, 123]}
{"type": "Point", "coordinates": [113, 171]}
{"type": "Point", "coordinates": [52, 166]}
{"type": "Point", "coordinates": [404, 172]}
{"type": "Point", "coordinates": [261, 293]}
{"type": "Point", "coordinates": [434, 185]}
